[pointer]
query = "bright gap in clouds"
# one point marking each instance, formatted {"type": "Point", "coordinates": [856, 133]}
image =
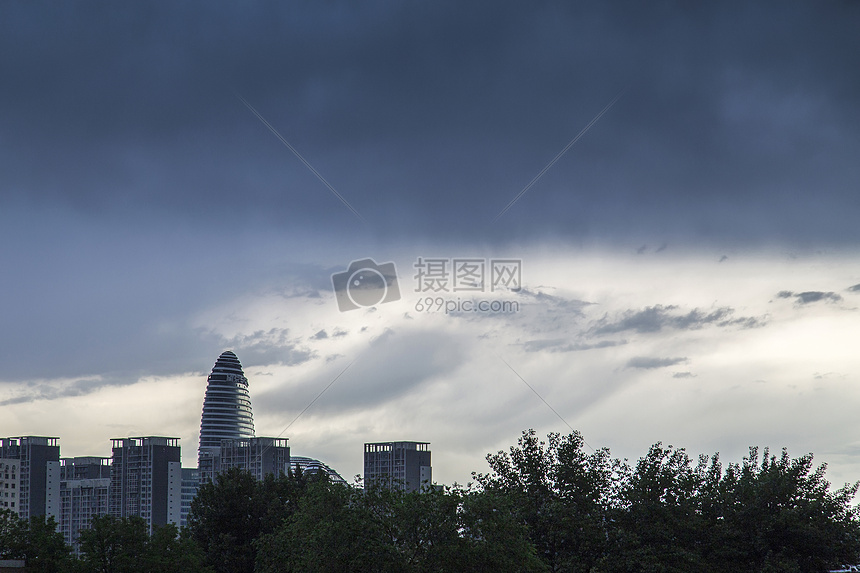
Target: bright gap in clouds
{"type": "Point", "coordinates": [693, 349]}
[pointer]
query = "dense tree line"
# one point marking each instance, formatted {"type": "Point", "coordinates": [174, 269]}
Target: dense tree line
{"type": "Point", "coordinates": [586, 512]}
{"type": "Point", "coordinates": [36, 540]}
{"type": "Point", "coordinates": [543, 506]}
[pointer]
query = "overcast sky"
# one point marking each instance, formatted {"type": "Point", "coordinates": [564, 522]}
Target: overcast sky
{"type": "Point", "coordinates": [680, 183]}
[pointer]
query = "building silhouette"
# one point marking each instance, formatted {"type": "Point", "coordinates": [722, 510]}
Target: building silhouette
{"type": "Point", "coordinates": [146, 480]}
{"type": "Point", "coordinates": [84, 494]}
{"type": "Point", "coordinates": [226, 413]}
{"type": "Point", "coordinates": [259, 456]}
{"type": "Point", "coordinates": [30, 477]}
{"type": "Point", "coordinates": [398, 465]}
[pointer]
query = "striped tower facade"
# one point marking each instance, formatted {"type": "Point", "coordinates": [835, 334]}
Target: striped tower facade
{"type": "Point", "coordinates": [226, 413]}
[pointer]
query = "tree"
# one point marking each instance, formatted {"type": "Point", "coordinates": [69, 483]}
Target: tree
{"type": "Point", "coordinates": [778, 514]}
{"type": "Point", "coordinates": [773, 515]}
{"type": "Point", "coordinates": [495, 539]}
{"type": "Point", "coordinates": [36, 541]}
{"type": "Point", "coordinates": [45, 548]}
{"type": "Point", "coordinates": [122, 545]}
{"type": "Point", "coordinates": [114, 545]}
{"type": "Point", "coordinates": [658, 523]}
{"type": "Point", "coordinates": [341, 528]}
{"type": "Point", "coordinates": [170, 551]}
{"type": "Point", "coordinates": [560, 493]}
{"type": "Point", "coordinates": [225, 520]}
{"type": "Point", "coordinates": [331, 529]}
{"type": "Point", "coordinates": [228, 515]}
{"type": "Point", "coordinates": [11, 535]}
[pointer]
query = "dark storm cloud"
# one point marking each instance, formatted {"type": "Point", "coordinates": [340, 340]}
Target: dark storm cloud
{"type": "Point", "coordinates": [121, 301]}
{"type": "Point", "coordinates": [649, 363]}
{"type": "Point", "coordinates": [810, 296]}
{"type": "Point", "coordinates": [139, 192]}
{"type": "Point", "coordinates": [430, 117]}
{"type": "Point", "coordinates": [659, 317]}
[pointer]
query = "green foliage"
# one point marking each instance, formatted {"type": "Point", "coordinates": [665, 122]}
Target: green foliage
{"type": "Point", "coordinates": [331, 529]}
{"type": "Point", "coordinates": [228, 515]}
{"type": "Point", "coordinates": [113, 545]}
{"type": "Point", "coordinates": [560, 493]}
{"type": "Point", "coordinates": [225, 519]}
{"type": "Point", "coordinates": [340, 528]}
{"type": "Point", "coordinates": [122, 545]}
{"type": "Point", "coordinates": [777, 515]}
{"type": "Point", "coordinates": [172, 551]}
{"type": "Point", "coordinates": [37, 541]}
{"type": "Point", "coordinates": [780, 515]}
{"type": "Point", "coordinates": [11, 535]}
{"type": "Point", "coordinates": [495, 540]}
{"type": "Point", "coordinates": [587, 513]}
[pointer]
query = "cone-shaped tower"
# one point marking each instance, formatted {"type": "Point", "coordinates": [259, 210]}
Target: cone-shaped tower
{"type": "Point", "coordinates": [226, 413]}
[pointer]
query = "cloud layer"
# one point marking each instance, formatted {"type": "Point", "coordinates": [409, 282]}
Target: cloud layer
{"type": "Point", "coordinates": [686, 262]}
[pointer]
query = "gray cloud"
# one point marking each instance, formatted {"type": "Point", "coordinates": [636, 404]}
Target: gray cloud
{"type": "Point", "coordinates": [555, 302]}
{"type": "Point", "coordinates": [659, 317]}
{"type": "Point", "coordinates": [273, 346]}
{"type": "Point", "coordinates": [564, 345]}
{"type": "Point", "coordinates": [139, 195]}
{"type": "Point", "coordinates": [648, 363]}
{"type": "Point", "coordinates": [683, 375]}
{"type": "Point", "coordinates": [810, 296]}
{"type": "Point", "coordinates": [53, 390]}
{"type": "Point", "coordinates": [855, 288]}
{"type": "Point", "coordinates": [368, 99]}
{"type": "Point", "coordinates": [394, 364]}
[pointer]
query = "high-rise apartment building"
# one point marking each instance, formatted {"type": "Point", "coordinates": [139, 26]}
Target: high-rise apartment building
{"type": "Point", "coordinates": [190, 483]}
{"type": "Point", "coordinates": [259, 456]}
{"type": "Point", "coordinates": [84, 494]}
{"type": "Point", "coordinates": [146, 480]}
{"type": "Point", "coordinates": [30, 477]}
{"type": "Point", "coordinates": [398, 465]}
{"type": "Point", "coordinates": [226, 413]}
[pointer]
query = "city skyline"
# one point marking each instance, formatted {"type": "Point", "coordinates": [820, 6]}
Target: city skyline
{"type": "Point", "coordinates": [678, 184]}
